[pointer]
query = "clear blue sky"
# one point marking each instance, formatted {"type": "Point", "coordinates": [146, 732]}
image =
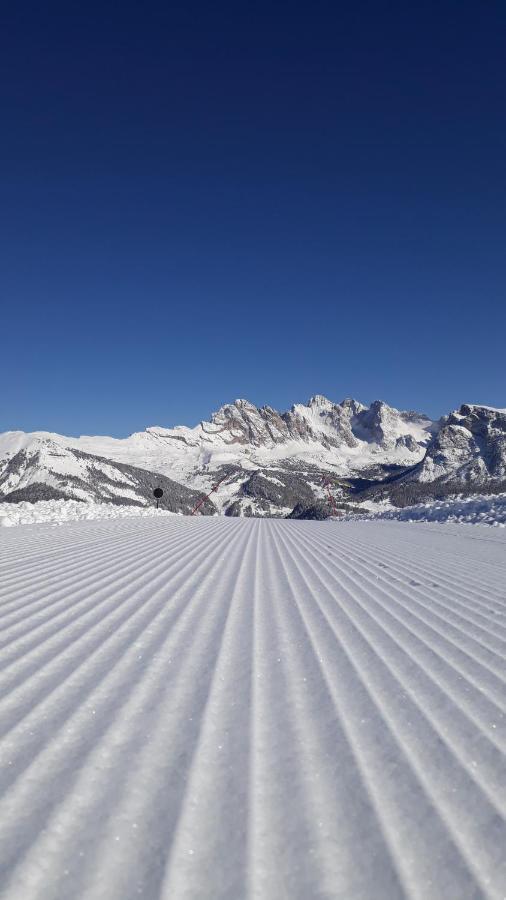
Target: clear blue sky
{"type": "Point", "coordinates": [203, 201]}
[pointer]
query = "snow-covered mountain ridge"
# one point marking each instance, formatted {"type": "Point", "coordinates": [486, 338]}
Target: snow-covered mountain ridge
{"type": "Point", "coordinates": [269, 461]}
{"type": "Point", "coordinates": [240, 432]}
{"type": "Point", "coordinates": [470, 446]}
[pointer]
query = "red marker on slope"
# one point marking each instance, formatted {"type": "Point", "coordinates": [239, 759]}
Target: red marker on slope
{"type": "Point", "coordinates": [326, 483]}
{"type": "Point", "coordinates": [201, 502]}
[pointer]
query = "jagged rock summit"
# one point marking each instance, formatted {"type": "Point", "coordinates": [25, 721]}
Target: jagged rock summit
{"type": "Point", "coordinates": [470, 446]}
{"type": "Point", "coordinates": [266, 461]}
{"type": "Point", "coordinates": [242, 432]}
{"type": "Point", "coordinates": [321, 421]}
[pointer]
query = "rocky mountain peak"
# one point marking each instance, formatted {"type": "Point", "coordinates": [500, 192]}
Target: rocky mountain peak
{"type": "Point", "coordinates": [346, 438]}
{"type": "Point", "coordinates": [470, 446]}
{"type": "Point", "coordinates": [380, 423]}
{"type": "Point", "coordinates": [352, 405]}
{"type": "Point", "coordinates": [320, 402]}
{"type": "Point", "coordinates": [479, 419]}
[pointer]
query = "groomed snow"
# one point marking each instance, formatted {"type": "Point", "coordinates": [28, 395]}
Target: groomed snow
{"type": "Point", "coordinates": [223, 708]}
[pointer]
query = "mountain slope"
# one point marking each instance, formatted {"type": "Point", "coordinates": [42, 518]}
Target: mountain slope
{"type": "Point", "coordinates": [242, 442]}
{"type": "Point", "coordinates": [266, 462]}
{"type": "Point", "coordinates": [46, 470]}
{"type": "Point", "coordinates": [469, 447]}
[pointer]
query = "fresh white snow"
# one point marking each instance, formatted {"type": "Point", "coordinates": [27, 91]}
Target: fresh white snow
{"type": "Point", "coordinates": [61, 511]}
{"type": "Point", "coordinates": [478, 510]}
{"type": "Point", "coordinates": [228, 708]}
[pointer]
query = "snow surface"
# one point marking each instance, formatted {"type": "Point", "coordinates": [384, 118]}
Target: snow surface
{"type": "Point", "coordinates": [478, 510]}
{"type": "Point", "coordinates": [483, 406]}
{"type": "Point", "coordinates": [227, 708]}
{"type": "Point", "coordinates": [61, 511]}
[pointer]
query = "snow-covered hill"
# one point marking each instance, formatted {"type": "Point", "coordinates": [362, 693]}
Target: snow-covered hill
{"type": "Point", "coordinates": [46, 470]}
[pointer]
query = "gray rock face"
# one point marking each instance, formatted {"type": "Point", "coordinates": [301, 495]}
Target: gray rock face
{"type": "Point", "coordinates": [469, 447]}
{"type": "Point", "coordinates": [243, 423]}
{"type": "Point", "coordinates": [316, 511]}
{"type": "Point", "coordinates": [408, 441]}
{"type": "Point", "coordinates": [321, 422]}
{"type": "Point", "coordinates": [381, 424]}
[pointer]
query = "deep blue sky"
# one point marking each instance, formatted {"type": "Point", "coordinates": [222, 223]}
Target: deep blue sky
{"type": "Point", "coordinates": [266, 200]}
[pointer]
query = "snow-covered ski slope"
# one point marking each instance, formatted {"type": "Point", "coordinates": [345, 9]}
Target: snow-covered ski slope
{"type": "Point", "coordinates": [214, 708]}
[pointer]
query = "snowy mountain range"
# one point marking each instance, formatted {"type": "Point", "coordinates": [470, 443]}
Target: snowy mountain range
{"type": "Point", "coordinates": [266, 462]}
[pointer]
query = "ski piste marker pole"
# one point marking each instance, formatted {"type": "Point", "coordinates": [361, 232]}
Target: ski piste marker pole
{"type": "Point", "coordinates": [326, 483]}
{"type": "Point", "coordinates": [214, 488]}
